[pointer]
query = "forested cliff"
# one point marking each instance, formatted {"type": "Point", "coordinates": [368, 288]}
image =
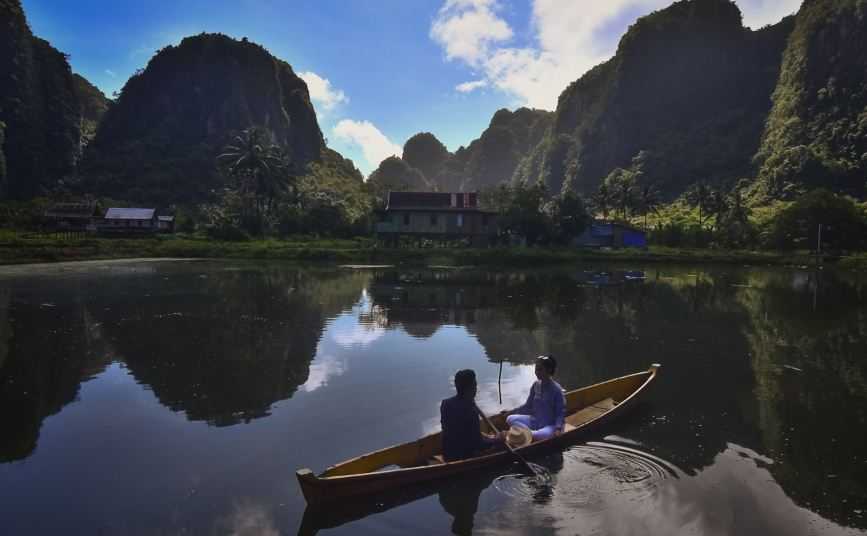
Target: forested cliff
{"type": "Point", "coordinates": [39, 115]}
{"type": "Point", "coordinates": [159, 141]}
{"type": "Point", "coordinates": [817, 130]}
{"type": "Point", "coordinates": [688, 90]}
{"type": "Point", "coordinates": [692, 96]}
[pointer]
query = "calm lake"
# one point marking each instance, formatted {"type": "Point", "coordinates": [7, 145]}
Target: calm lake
{"type": "Point", "coordinates": [180, 397]}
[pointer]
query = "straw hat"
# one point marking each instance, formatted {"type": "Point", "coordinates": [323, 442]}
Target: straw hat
{"type": "Point", "coordinates": [519, 436]}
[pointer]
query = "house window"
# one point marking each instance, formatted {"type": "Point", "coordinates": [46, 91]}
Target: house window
{"type": "Point", "coordinates": [406, 219]}
{"type": "Point", "coordinates": [460, 220]}
{"type": "Point", "coordinates": [433, 219]}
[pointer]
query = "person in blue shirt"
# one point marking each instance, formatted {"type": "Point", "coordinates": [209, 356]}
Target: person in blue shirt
{"type": "Point", "coordinates": [544, 412]}
{"type": "Point", "coordinates": [462, 437]}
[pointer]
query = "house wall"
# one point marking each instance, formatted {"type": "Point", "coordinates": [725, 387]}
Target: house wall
{"type": "Point", "coordinates": [444, 223]}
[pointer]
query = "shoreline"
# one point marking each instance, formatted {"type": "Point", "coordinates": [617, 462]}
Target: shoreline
{"type": "Point", "coordinates": [362, 251]}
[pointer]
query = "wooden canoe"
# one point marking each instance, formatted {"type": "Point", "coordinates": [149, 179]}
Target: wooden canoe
{"type": "Point", "coordinates": [420, 460]}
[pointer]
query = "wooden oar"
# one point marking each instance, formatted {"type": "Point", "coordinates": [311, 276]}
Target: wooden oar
{"type": "Point", "coordinates": [508, 446]}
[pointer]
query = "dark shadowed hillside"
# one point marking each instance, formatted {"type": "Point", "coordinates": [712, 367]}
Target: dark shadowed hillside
{"type": "Point", "coordinates": [689, 86]}
{"type": "Point", "coordinates": [40, 142]}
{"type": "Point", "coordinates": [487, 161]}
{"type": "Point", "coordinates": [159, 140]}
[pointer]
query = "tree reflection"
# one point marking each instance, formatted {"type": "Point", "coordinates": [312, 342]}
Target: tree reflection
{"type": "Point", "coordinates": [46, 349]}
{"type": "Point", "coordinates": [224, 348]}
{"type": "Point", "coordinates": [220, 345]}
{"type": "Point", "coordinates": [772, 360]}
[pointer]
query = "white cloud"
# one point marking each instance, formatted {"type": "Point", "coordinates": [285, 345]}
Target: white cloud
{"type": "Point", "coordinates": [758, 13]}
{"type": "Point", "coordinates": [375, 146]}
{"type": "Point", "coordinates": [569, 38]}
{"type": "Point", "coordinates": [111, 73]}
{"type": "Point", "coordinates": [468, 87]}
{"type": "Point", "coordinates": [467, 28]}
{"type": "Point", "coordinates": [322, 92]}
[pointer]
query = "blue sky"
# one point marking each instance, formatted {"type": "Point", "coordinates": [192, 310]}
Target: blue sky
{"type": "Point", "coordinates": [379, 70]}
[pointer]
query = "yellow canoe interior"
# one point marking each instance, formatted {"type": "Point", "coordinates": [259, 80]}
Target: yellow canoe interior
{"type": "Point", "coordinates": [583, 406]}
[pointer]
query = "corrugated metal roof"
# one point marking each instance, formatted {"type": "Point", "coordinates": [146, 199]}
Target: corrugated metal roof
{"type": "Point", "coordinates": [166, 218]}
{"type": "Point", "coordinates": [432, 200]}
{"type": "Point", "coordinates": [130, 214]}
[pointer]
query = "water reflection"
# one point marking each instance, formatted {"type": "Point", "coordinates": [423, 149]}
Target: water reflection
{"type": "Point", "coordinates": [754, 425]}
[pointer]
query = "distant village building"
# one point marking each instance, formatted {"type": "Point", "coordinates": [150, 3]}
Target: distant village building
{"type": "Point", "coordinates": [166, 224]}
{"type": "Point", "coordinates": [611, 234]}
{"type": "Point", "coordinates": [435, 216]}
{"type": "Point", "coordinates": [129, 221]}
{"type": "Point", "coordinates": [75, 217]}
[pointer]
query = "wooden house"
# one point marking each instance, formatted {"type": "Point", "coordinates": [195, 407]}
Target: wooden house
{"type": "Point", "coordinates": [435, 216]}
{"type": "Point", "coordinates": [129, 221]}
{"type": "Point", "coordinates": [76, 217]}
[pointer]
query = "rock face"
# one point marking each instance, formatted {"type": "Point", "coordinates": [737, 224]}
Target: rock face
{"type": "Point", "coordinates": [817, 130]}
{"type": "Point", "coordinates": [159, 140]}
{"type": "Point", "coordinates": [487, 161]}
{"type": "Point", "coordinates": [92, 105]}
{"type": "Point", "coordinates": [689, 86]}
{"type": "Point", "coordinates": [39, 108]}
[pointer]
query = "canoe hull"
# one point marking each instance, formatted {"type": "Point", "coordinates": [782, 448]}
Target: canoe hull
{"type": "Point", "coordinates": [338, 482]}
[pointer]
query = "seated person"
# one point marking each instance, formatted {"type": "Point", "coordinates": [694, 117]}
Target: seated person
{"type": "Point", "coordinates": [462, 438]}
{"type": "Point", "coordinates": [544, 412]}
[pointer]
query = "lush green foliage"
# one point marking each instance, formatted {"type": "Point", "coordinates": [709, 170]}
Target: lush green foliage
{"type": "Point", "coordinates": [526, 215]}
{"type": "Point", "coordinates": [817, 130]}
{"type": "Point", "coordinates": [92, 105]}
{"type": "Point", "coordinates": [844, 224]}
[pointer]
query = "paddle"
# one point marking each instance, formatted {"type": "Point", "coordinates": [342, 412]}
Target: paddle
{"type": "Point", "coordinates": [508, 446]}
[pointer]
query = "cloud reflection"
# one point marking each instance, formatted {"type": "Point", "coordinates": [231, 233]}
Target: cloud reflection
{"type": "Point", "coordinates": [324, 367]}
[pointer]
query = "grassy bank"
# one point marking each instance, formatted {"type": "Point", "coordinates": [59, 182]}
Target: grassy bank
{"type": "Point", "coordinates": [16, 248]}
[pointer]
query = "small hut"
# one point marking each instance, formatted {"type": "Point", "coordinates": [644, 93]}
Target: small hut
{"type": "Point", "coordinates": [611, 234]}
{"type": "Point", "coordinates": [129, 221]}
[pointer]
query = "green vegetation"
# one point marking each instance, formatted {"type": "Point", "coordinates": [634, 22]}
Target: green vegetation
{"type": "Point", "coordinates": [817, 130]}
{"type": "Point", "coordinates": [18, 248]}
{"type": "Point", "coordinates": [92, 104]}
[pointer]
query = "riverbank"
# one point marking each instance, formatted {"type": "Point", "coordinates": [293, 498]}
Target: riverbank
{"type": "Point", "coordinates": [20, 249]}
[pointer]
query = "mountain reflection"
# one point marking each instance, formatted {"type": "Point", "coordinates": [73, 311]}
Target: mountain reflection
{"type": "Point", "coordinates": [220, 345]}
{"type": "Point", "coordinates": [768, 360]}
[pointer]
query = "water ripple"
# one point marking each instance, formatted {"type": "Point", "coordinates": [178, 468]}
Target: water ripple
{"type": "Point", "coordinates": [592, 473]}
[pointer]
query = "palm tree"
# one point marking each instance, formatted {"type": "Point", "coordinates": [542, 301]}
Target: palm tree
{"type": "Point", "coordinates": [701, 197]}
{"type": "Point", "coordinates": [719, 206]}
{"type": "Point", "coordinates": [258, 165]}
{"type": "Point", "coordinates": [603, 199]}
{"type": "Point", "coordinates": [648, 201]}
{"type": "Point", "coordinates": [625, 189]}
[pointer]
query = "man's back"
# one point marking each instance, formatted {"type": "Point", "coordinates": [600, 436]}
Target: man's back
{"type": "Point", "coordinates": [461, 436]}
